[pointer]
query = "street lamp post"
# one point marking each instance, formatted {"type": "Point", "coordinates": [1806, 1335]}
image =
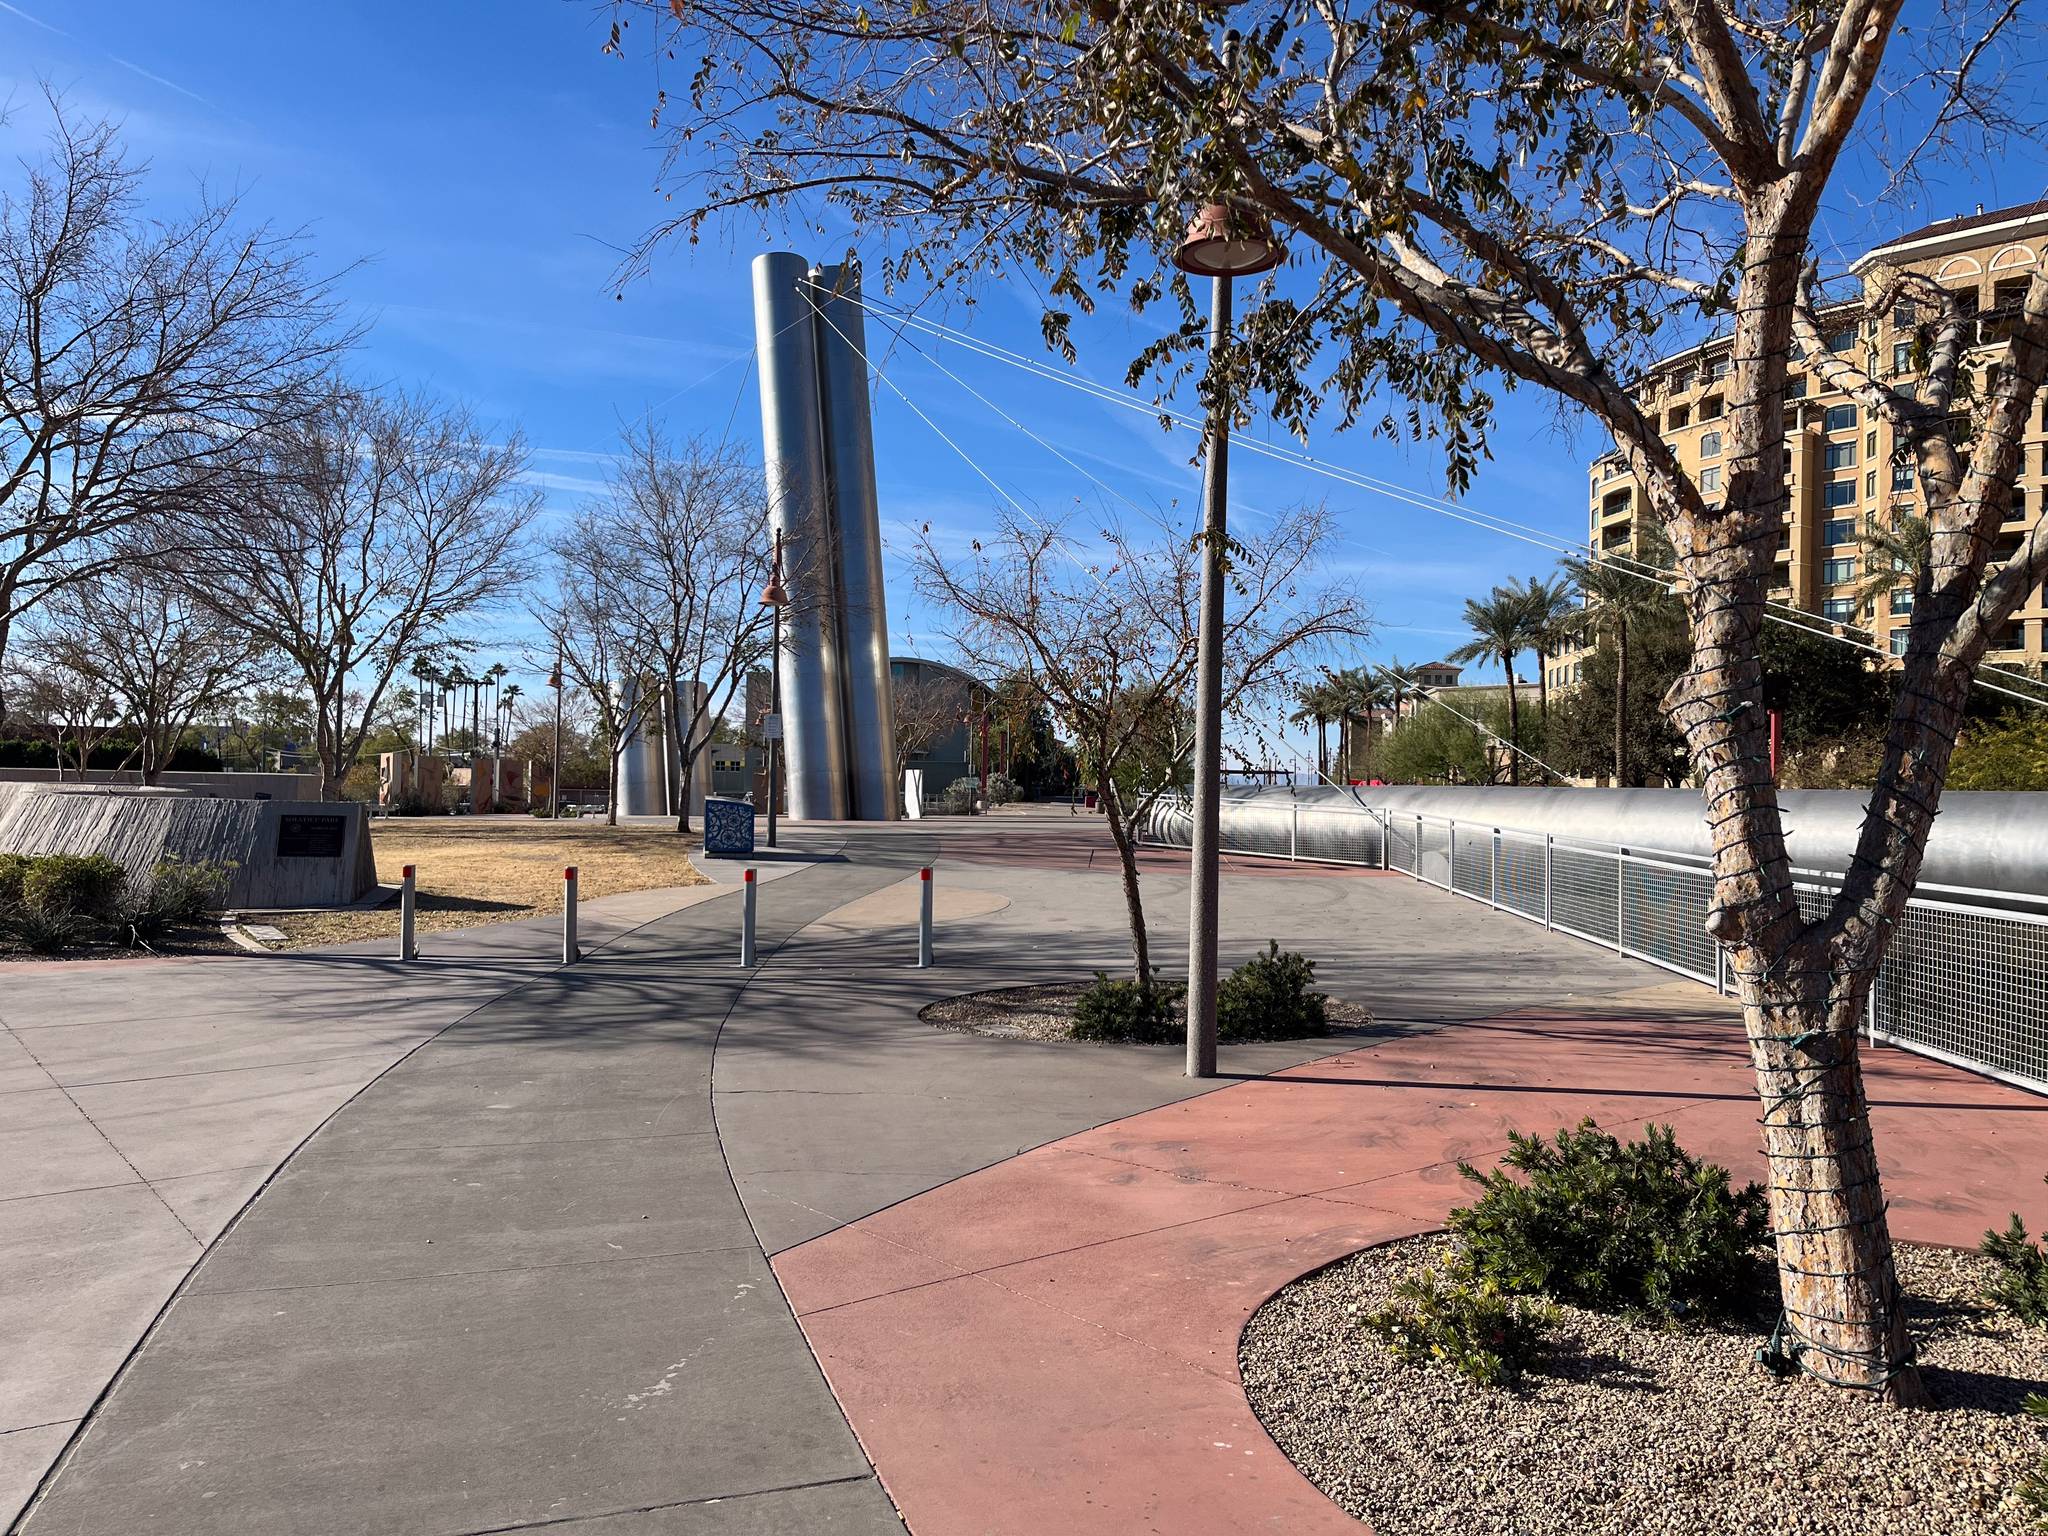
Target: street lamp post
{"type": "Point", "coordinates": [1222, 243]}
{"type": "Point", "coordinates": [555, 773]}
{"type": "Point", "coordinates": [774, 597]}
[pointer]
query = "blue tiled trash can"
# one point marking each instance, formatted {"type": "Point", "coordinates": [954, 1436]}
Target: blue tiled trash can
{"type": "Point", "coordinates": [728, 828]}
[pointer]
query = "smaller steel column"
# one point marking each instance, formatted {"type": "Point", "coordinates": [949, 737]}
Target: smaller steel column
{"type": "Point", "coordinates": [570, 953]}
{"type": "Point", "coordinates": [1493, 871]}
{"type": "Point", "coordinates": [1294, 831]}
{"type": "Point", "coordinates": [747, 908]}
{"type": "Point", "coordinates": [924, 918]}
{"type": "Point", "coordinates": [1621, 901]}
{"type": "Point", "coordinates": [407, 896]}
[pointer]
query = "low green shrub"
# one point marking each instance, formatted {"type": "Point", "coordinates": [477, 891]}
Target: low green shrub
{"type": "Point", "coordinates": [2021, 1285]}
{"type": "Point", "coordinates": [1272, 997]}
{"type": "Point", "coordinates": [2033, 1488]}
{"type": "Point", "coordinates": [1002, 789]}
{"type": "Point", "coordinates": [1118, 1009]}
{"type": "Point", "coordinates": [1473, 1326]}
{"type": "Point", "coordinates": [1639, 1226]}
{"type": "Point", "coordinates": [86, 884]}
{"type": "Point", "coordinates": [179, 893]}
{"type": "Point", "coordinates": [45, 932]}
{"type": "Point", "coordinates": [13, 869]}
{"type": "Point", "coordinates": [960, 797]}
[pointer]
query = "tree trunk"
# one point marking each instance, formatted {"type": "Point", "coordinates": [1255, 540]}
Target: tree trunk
{"type": "Point", "coordinates": [1803, 985]}
{"type": "Point", "coordinates": [1514, 723]}
{"type": "Point", "coordinates": [1322, 750]}
{"type": "Point", "coordinates": [1620, 703]}
{"type": "Point", "coordinates": [1127, 856]}
{"type": "Point", "coordinates": [1542, 688]}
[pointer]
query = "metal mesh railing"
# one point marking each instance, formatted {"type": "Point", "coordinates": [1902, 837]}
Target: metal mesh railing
{"type": "Point", "coordinates": [1966, 982]}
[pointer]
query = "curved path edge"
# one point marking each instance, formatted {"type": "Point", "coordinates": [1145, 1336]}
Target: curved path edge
{"type": "Point", "coordinates": [1051, 1343]}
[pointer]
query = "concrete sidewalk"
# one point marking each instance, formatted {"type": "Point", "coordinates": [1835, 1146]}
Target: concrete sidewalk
{"type": "Point", "coordinates": [143, 1102]}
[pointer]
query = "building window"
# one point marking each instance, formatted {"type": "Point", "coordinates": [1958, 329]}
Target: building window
{"type": "Point", "coordinates": [1710, 478]}
{"type": "Point", "coordinates": [1833, 571]}
{"type": "Point", "coordinates": [1839, 455]}
{"type": "Point", "coordinates": [1899, 640]}
{"type": "Point", "coordinates": [1840, 609]}
{"type": "Point", "coordinates": [1870, 482]}
{"type": "Point", "coordinates": [1710, 445]}
{"type": "Point", "coordinates": [1681, 415]}
{"type": "Point", "coordinates": [1795, 387]}
{"type": "Point", "coordinates": [1870, 444]}
{"type": "Point", "coordinates": [1710, 408]}
{"type": "Point", "coordinates": [1904, 315]}
{"type": "Point", "coordinates": [1717, 369]}
{"type": "Point", "coordinates": [1838, 530]}
{"type": "Point", "coordinates": [1902, 477]}
{"type": "Point", "coordinates": [1902, 600]}
{"type": "Point", "coordinates": [1840, 493]}
{"type": "Point", "coordinates": [1840, 341]}
{"type": "Point", "coordinates": [1840, 418]}
{"type": "Point", "coordinates": [1902, 357]}
{"type": "Point", "coordinates": [1616, 503]}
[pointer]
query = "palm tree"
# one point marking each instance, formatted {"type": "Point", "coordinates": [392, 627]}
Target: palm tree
{"type": "Point", "coordinates": [1551, 615]}
{"type": "Point", "coordinates": [507, 702]}
{"type": "Point", "coordinates": [1893, 557]}
{"type": "Point", "coordinates": [1618, 598]}
{"type": "Point", "coordinates": [1352, 692]}
{"type": "Point", "coordinates": [1500, 632]}
{"type": "Point", "coordinates": [1316, 702]}
{"type": "Point", "coordinates": [1401, 682]}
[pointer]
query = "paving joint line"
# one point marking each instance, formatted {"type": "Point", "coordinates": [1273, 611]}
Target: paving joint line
{"type": "Point", "coordinates": [462, 1274]}
{"type": "Point", "coordinates": [648, 1509]}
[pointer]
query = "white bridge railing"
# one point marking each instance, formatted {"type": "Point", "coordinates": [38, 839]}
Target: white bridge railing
{"type": "Point", "coordinates": [1965, 980]}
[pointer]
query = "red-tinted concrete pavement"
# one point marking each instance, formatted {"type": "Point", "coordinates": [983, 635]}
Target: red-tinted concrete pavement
{"type": "Point", "coordinates": [1051, 1344]}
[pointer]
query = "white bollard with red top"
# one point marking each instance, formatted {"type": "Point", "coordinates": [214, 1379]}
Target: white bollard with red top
{"type": "Point", "coordinates": [407, 949]}
{"type": "Point", "coordinates": [747, 920]}
{"type": "Point", "coordinates": [570, 953]}
{"type": "Point", "coordinates": [924, 918]}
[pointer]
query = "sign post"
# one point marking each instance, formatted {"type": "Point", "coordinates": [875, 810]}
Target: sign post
{"type": "Point", "coordinates": [570, 953]}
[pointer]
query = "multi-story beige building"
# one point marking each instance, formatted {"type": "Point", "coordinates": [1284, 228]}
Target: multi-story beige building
{"type": "Point", "coordinates": [1844, 479]}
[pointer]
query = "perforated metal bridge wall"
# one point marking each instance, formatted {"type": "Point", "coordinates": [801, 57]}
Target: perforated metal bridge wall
{"type": "Point", "coordinates": [1964, 980]}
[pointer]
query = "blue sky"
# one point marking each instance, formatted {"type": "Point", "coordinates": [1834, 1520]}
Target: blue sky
{"type": "Point", "coordinates": [484, 167]}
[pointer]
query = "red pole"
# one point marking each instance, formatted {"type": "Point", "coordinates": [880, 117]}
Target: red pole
{"type": "Point", "coordinates": [984, 762]}
{"type": "Point", "coordinates": [1775, 719]}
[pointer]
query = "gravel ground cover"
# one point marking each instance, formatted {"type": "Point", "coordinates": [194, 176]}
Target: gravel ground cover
{"type": "Point", "coordinates": [1047, 1013]}
{"type": "Point", "coordinates": [1631, 1430]}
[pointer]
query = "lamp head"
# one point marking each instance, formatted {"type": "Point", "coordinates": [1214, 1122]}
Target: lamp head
{"type": "Point", "coordinates": [1223, 241]}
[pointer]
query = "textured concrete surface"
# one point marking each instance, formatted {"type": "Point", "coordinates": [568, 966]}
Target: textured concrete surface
{"type": "Point", "coordinates": [143, 1102]}
{"type": "Point", "coordinates": [1051, 1343]}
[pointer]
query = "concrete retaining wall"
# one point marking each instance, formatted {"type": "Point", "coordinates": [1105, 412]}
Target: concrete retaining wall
{"type": "Point", "coordinates": [281, 853]}
{"type": "Point", "coordinates": [231, 786]}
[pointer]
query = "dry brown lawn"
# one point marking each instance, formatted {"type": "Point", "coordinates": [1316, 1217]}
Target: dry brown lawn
{"type": "Point", "coordinates": [488, 870]}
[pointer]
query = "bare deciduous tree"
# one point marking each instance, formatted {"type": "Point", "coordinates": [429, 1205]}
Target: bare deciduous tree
{"type": "Point", "coordinates": [1478, 194]}
{"type": "Point", "coordinates": [924, 709]}
{"type": "Point", "coordinates": [373, 527]}
{"type": "Point", "coordinates": [1104, 630]}
{"type": "Point", "coordinates": [143, 360]}
{"type": "Point", "coordinates": [159, 660]}
{"type": "Point", "coordinates": [684, 529]}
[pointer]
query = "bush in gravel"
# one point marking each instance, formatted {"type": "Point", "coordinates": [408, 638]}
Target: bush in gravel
{"type": "Point", "coordinates": [86, 884]}
{"type": "Point", "coordinates": [1472, 1326]}
{"type": "Point", "coordinates": [2034, 1486]}
{"type": "Point", "coordinates": [179, 893]}
{"type": "Point", "coordinates": [1639, 1226]}
{"type": "Point", "coordinates": [1115, 1009]}
{"type": "Point", "coordinates": [2021, 1285]}
{"type": "Point", "coordinates": [1272, 997]}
